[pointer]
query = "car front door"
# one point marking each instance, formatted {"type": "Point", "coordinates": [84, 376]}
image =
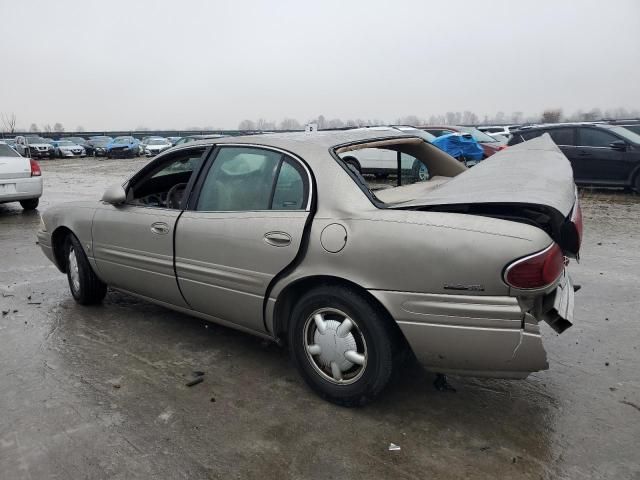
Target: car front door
{"type": "Point", "coordinates": [597, 160]}
{"type": "Point", "coordinates": [243, 227]}
{"type": "Point", "coordinates": [133, 242]}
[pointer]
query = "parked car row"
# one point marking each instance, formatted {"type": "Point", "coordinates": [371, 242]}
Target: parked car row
{"type": "Point", "coordinates": [126, 146]}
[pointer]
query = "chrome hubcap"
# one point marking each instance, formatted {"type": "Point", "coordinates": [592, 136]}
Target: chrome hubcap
{"type": "Point", "coordinates": [335, 346]}
{"type": "Point", "coordinates": [74, 274]}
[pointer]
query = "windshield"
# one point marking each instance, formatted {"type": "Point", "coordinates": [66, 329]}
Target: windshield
{"type": "Point", "coordinates": [157, 141]}
{"type": "Point", "coordinates": [32, 140]}
{"type": "Point", "coordinates": [627, 133]}
{"type": "Point", "coordinates": [478, 135]}
{"type": "Point", "coordinates": [76, 139]}
{"type": "Point", "coordinates": [122, 140]}
{"type": "Point", "coordinates": [65, 143]}
{"type": "Point", "coordinates": [7, 151]}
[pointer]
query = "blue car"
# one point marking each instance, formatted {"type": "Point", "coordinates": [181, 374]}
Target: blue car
{"type": "Point", "coordinates": [123, 147]}
{"type": "Point", "coordinates": [461, 146]}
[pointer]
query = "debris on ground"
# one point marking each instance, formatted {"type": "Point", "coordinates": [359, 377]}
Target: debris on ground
{"type": "Point", "coordinates": [195, 381]}
{"type": "Point", "coordinates": [5, 312]}
{"type": "Point", "coordinates": [441, 383]}
{"type": "Point", "coordinates": [393, 447]}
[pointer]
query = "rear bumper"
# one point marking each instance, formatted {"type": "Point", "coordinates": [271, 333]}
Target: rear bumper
{"type": "Point", "coordinates": [16, 189]}
{"type": "Point", "coordinates": [468, 335]}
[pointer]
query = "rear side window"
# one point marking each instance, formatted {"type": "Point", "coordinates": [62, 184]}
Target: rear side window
{"type": "Point", "coordinates": [250, 179]}
{"type": "Point", "coordinates": [532, 134]}
{"type": "Point", "coordinates": [592, 137]}
{"type": "Point", "coordinates": [562, 136]}
{"type": "Point", "coordinates": [289, 191]}
{"type": "Point", "coordinates": [7, 151]}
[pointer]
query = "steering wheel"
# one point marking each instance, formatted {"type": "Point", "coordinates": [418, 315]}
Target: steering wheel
{"type": "Point", "coordinates": [174, 195]}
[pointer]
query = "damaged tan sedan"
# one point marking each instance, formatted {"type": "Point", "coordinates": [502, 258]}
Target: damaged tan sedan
{"type": "Point", "coordinates": [278, 236]}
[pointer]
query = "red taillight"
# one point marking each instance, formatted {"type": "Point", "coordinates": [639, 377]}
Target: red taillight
{"type": "Point", "coordinates": [576, 218]}
{"type": "Point", "coordinates": [537, 270]}
{"type": "Point", "coordinates": [35, 168]}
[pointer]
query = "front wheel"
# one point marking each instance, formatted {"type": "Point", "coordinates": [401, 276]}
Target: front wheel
{"type": "Point", "coordinates": [30, 204]}
{"type": "Point", "coordinates": [342, 345]}
{"type": "Point", "coordinates": [85, 286]}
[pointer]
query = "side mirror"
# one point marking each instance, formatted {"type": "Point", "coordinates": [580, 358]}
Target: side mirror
{"type": "Point", "coordinates": [619, 145]}
{"type": "Point", "coordinates": [115, 195]}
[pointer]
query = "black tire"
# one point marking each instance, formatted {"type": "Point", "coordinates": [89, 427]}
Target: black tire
{"type": "Point", "coordinates": [30, 204]}
{"type": "Point", "coordinates": [417, 175]}
{"type": "Point", "coordinates": [89, 289]}
{"type": "Point", "coordinates": [636, 183]}
{"type": "Point", "coordinates": [379, 334]}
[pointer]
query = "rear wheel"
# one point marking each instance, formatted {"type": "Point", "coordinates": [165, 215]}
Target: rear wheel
{"type": "Point", "coordinates": [636, 183]}
{"type": "Point", "coordinates": [30, 204]}
{"type": "Point", "coordinates": [86, 287]}
{"type": "Point", "coordinates": [342, 345]}
{"type": "Point", "coordinates": [419, 171]}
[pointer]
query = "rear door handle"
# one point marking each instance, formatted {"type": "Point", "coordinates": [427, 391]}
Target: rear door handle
{"type": "Point", "coordinates": [582, 153]}
{"type": "Point", "coordinates": [159, 228]}
{"type": "Point", "coordinates": [277, 239]}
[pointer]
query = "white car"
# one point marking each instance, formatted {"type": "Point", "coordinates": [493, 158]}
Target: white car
{"type": "Point", "coordinates": [20, 178]}
{"type": "Point", "coordinates": [498, 130]}
{"type": "Point", "coordinates": [155, 145]}
{"type": "Point", "coordinates": [67, 148]}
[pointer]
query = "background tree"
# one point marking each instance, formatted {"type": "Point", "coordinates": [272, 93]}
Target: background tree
{"type": "Point", "coordinates": [551, 115]}
{"type": "Point", "coordinates": [79, 128]}
{"type": "Point", "coordinates": [34, 128]}
{"type": "Point", "coordinates": [58, 128]}
{"type": "Point", "coordinates": [290, 124]}
{"type": "Point", "coordinates": [47, 128]}
{"type": "Point", "coordinates": [9, 122]}
{"type": "Point", "coordinates": [335, 123]}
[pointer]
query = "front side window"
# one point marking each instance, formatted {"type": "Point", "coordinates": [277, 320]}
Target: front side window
{"type": "Point", "coordinates": [163, 183]}
{"type": "Point", "coordinates": [592, 137]}
{"type": "Point", "coordinates": [249, 179]}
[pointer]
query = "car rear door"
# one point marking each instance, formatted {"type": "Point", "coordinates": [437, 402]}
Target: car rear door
{"type": "Point", "coordinates": [133, 242]}
{"type": "Point", "coordinates": [243, 227]}
{"type": "Point", "coordinates": [597, 161]}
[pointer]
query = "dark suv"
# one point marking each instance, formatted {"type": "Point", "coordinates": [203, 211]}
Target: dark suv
{"type": "Point", "coordinates": [602, 155]}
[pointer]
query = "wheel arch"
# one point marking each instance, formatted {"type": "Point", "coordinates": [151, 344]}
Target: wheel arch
{"type": "Point", "coordinates": [58, 238]}
{"type": "Point", "coordinates": [290, 294]}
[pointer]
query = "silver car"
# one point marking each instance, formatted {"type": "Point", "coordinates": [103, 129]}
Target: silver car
{"type": "Point", "coordinates": [277, 236]}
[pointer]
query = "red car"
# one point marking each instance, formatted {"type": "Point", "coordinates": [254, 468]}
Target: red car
{"type": "Point", "coordinates": [489, 144]}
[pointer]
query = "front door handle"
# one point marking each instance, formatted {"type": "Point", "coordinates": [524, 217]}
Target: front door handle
{"type": "Point", "coordinates": [277, 239]}
{"type": "Point", "coordinates": [159, 228]}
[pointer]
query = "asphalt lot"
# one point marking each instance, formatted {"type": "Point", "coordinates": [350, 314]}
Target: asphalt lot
{"type": "Point", "coordinates": [100, 392]}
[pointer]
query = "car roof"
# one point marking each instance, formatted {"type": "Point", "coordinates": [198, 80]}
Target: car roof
{"type": "Point", "coordinates": [310, 143]}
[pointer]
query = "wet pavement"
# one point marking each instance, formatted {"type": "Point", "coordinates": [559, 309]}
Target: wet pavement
{"type": "Point", "coordinates": [99, 392]}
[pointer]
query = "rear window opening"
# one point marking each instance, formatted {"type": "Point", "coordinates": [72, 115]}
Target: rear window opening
{"type": "Point", "coordinates": [395, 171]}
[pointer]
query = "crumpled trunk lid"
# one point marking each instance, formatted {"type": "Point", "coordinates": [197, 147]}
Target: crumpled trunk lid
{"type": "Point", "coordinates": [531, 182]}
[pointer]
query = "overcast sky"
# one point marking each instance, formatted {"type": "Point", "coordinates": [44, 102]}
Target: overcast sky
{"type": "Point", "coordinates": [119, 64]}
